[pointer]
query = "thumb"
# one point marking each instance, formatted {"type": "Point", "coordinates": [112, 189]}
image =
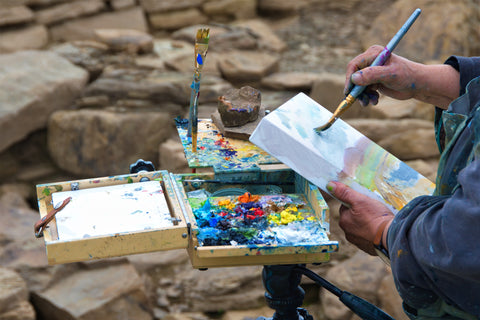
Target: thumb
{"type": "Point", "coordinates": [344, 193]}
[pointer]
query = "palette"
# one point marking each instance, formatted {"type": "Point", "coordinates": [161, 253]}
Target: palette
{"type": "Point", "coordinates": [339, 153]}
{"type": "Point", "coordinates": [213, 149]}
{"type": "Point", "coordinates": [255, 237]}
{"type": "Point", "coordinates": [272, 219]}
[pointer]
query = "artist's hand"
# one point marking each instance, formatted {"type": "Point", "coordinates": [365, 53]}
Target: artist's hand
{"type": "Point", "coordinates": [362, 218]}
{"type": "Point", "coordinates": [395, 78]}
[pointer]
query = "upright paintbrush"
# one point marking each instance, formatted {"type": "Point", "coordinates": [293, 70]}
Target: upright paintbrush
{"type": "Point", "coordinates": [379, 60]}
{"type": "Point", "coordinates": [201, 48]}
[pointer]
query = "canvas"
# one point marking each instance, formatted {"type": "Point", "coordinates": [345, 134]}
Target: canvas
{"type": "Point", "coordinates": [340, 153]}
{"type": "Point", "coordinates": [111, 210]}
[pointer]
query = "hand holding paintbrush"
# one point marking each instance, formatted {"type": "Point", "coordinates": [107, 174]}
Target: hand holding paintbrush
{"type": "Point", "coordinates": [379, 60]}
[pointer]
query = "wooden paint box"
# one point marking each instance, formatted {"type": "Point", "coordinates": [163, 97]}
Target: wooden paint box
{"type": "Point", "coordinates": [182, 233]}
{"type": "Point", "coordinates": [270, 180]}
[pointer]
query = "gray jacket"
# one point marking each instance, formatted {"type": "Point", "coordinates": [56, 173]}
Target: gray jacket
{"type": "Point", "coordinates": [434, 240]}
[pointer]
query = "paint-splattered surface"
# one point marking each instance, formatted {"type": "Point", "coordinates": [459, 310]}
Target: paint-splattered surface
{"type": "Point", "coordinates": [339, 153]}
{"type": "Point", "coordinates": [112, 210]}
{"type": "Point", "coordinates": [214, 149]}
{"type": "Point", "coordinates": [281, 219]}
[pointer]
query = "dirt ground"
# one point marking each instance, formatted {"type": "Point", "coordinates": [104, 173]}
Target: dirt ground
{"type": "Point", "coordinates": [325, 40]}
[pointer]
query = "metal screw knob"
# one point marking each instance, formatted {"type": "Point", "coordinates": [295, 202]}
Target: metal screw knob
{"type": "Point", "coordinates": [141, 165]}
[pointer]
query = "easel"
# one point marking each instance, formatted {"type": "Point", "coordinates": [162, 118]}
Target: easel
{"type": "Point", "coordinates": [282, 284]}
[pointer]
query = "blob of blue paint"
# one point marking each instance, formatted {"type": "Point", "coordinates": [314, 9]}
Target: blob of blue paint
{"type": "Point", "coordinates": [228, 152]}
{"type": "Point", "coordinates": [180, 122]}
{"type": "Point", "coordinates": [199, 59]}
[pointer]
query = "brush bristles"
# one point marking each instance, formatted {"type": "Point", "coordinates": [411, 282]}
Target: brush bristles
{"type": "Point", "coordinates": [324, 127]}
{"type": "Point", "coordinates": [203, 35]}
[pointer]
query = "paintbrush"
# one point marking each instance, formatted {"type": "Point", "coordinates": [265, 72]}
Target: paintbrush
{"type": "Point", "coordinates": [201, 48]}
{"type": "Point", "coordinates": [379, 60]}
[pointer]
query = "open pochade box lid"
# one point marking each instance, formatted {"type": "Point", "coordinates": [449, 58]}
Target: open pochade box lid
{"type": "Point", "coordinates": [242, 169]}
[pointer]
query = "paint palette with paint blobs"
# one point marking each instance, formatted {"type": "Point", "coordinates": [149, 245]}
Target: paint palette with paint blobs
{"type": "Point", "coordinates": [272, 219]}
{"type": "Point", "coordinates": [272, 216]}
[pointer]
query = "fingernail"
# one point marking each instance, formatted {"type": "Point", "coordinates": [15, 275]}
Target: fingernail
{"type": "Point", "coordinates": [356, 76]}
{"type": "Point", "coordinates": [331, 187]}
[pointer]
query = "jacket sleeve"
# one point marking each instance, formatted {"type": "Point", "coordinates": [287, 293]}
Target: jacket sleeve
{"type": "Point", "coordinates": [469, 68]}
{"type": "Point", "coordinates": [433, 240]}
{"type": "Point", "coordinates": [434, 248]}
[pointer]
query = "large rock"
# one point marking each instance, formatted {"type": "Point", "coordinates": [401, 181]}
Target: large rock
{"type": "Point", "coordinates": [245, 67]}
{"type": "Point", "coordinates": [82, 28]}
{"type": "Point", "coordinates": [177, 19]}
{"type": "Point", "coordinates": [154, 88]}
{"type": "Point", "coordinates": [222, 38]}
{"type": "Point", "coordinates": [165, 50]}
{"type": "Point", "coordinates": [151, 6]}
{"type": "Point", "coordinates": [389, 108]}
{"type": "Point", "coordinates": [27, 161]}
{"type": "Point", "coordinates": [172, 157]}
{"type": "Point", "coordinates": [122, 4]}
{"type": "Point", "coordinates": [19, 247]}
{"type": "Point", "coordinates": [327, 90]}
{"type": "Point", "coordinates": [15, 15]}
{"type": "Point", "coordinates": [66, 11]}
{"type": "Point", "coordinates": [90, 55]}
{"type": "Point", "coordinates": [266, 38]}
{"type": "Point", "coordinates": [300, 81]}
{"type": "Point", "coordinates": [34, 84]}
{"type": "Point", "coordinates": [127, 40]}
{"type": "Point", "coordinates": [100, 143]}
{"type": "Point", "coordinates": [234, 288]}
{"type": "Point", "coordinates": [185, 63]}
{"type": "Point", "coordinates": [30, 37]}
{"type": "Point", "coordinates": [281, 6]}
{"type": "Point", "coordinates": [158, 87]}
{"type": "Point", "coordinates": [345, 5]}
{"type": "Point", "coordinates": [108, 292]}
{"type": "Point", "coordinates": [226, 10]}
{"type": "Point", "coordinates": [379, 129]}
{"type": "Point", "coordinates": [430, 38]}
{"type": "Point", "coordinates": [411, 144]}
{"type": "Point", "coordinates": [407, 139]}
{"type": "Point", "coordinates": [14, 296]}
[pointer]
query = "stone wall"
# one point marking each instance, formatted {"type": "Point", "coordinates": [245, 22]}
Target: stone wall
{"type": "Point", "coordinates": [33, 24]}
